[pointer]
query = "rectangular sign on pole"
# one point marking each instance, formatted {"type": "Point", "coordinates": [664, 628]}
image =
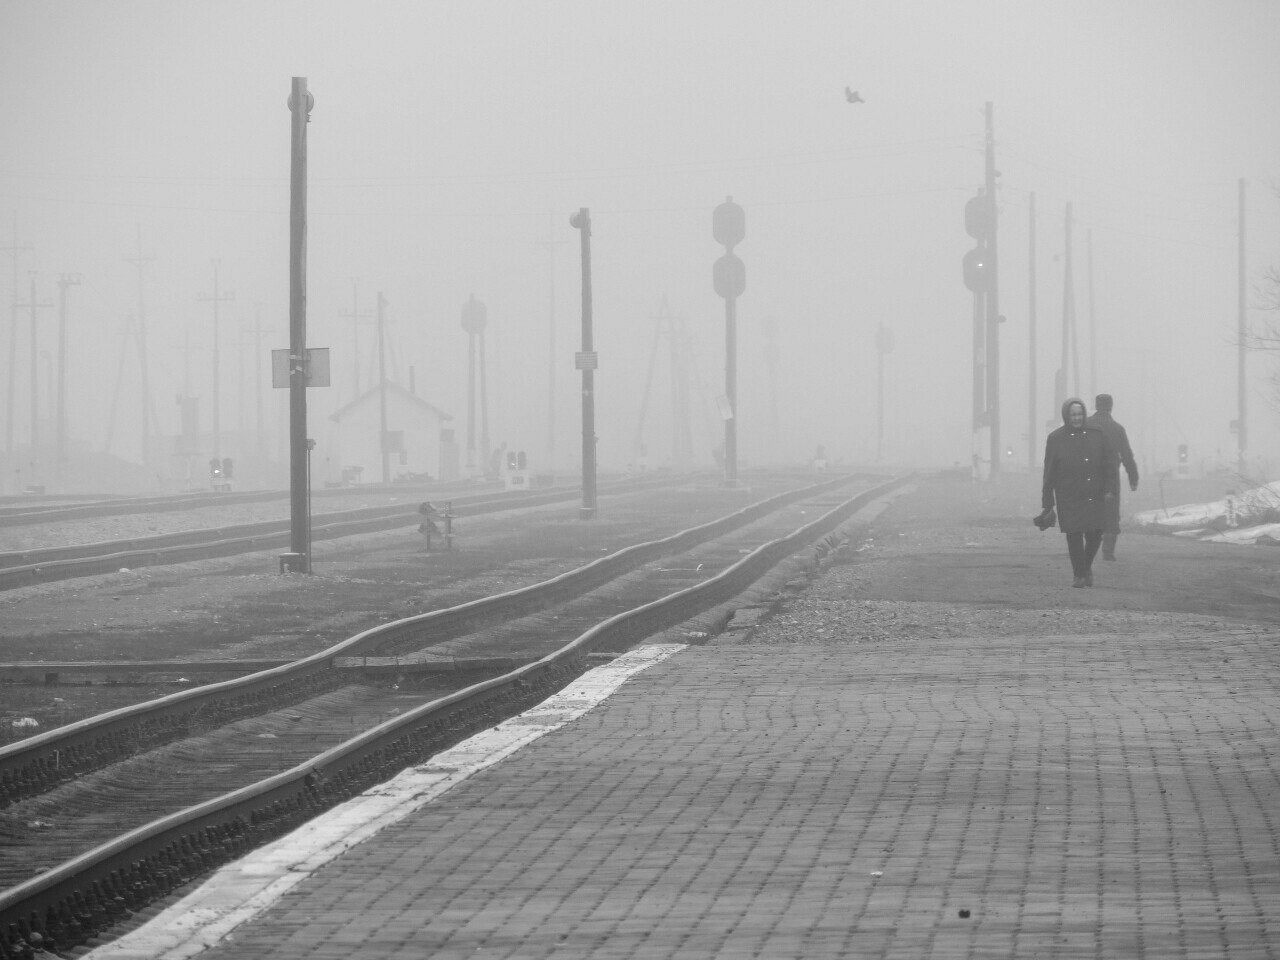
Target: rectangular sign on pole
{"type": "Point", "coordinates": [316, 366]}
{"type": "Point", "coordinates": [586, 360]}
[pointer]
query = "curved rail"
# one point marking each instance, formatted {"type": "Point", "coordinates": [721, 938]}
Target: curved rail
{"type": "Point", "coordinates": [90, 892]}
{"type": "Point", "coordinates": [31, 765]}
{"type": "Point", "coordinates": [25, 567]}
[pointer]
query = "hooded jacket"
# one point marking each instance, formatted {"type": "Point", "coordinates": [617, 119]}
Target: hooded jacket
{"type": "Point", "coordinates": [1077, 474]}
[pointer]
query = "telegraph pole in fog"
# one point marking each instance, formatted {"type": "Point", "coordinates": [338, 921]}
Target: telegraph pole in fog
{"type": "Point", "coordinates": [34, 306]}
{"type": "Point", "coordinates": [993, 296]}
{"type": "Point", "coordinates": [60, 466]}
{"type": "Point", "coordinates": [216, 298]}
{"type": "Point", "coordinates": [1242, 347]}
{"type": "Point", "coordinates": [14, 250]}
{"type": "Point", "coordinates": [1031, 334]}
{"type": "Point", "coordinates": [1093, 327]}
{"type": "Point", "coordinates": [474, 317]}
{"type": "Point", "coordinates": [148, 414]}
{"type": "Point", "coordinates": [382, 388]}
{"type": "Point", "coordinates": [586, 361]}
{"type": "Point", "coordinates": [300, 104]}
{"type": "Point", "coordinates": [355, 316]}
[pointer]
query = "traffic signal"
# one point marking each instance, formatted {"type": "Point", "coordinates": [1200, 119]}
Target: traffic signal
{"type": "Point", "coordinates": [215, 467]}
{"type": "Point", "coordinates": [226, 467]}
{"type": "Point", "coordinates": [521, 460]}
{"type": "Point", "coordinates": [1182, 453]}
{"type": "Point", "coordinates": [976, 275]}
{"type": "Point", "coordinates": [511, 459]}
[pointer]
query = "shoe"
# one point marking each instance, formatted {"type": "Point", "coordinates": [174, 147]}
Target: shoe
{"type": "Point", "coordinates": [1088, 579]}
{"type": "Point", "coordinates": [1079, 582]}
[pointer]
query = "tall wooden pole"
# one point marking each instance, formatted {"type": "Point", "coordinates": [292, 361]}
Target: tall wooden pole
{"type": "Point", "coordinates": [1031, 333]}
{"type": "Point", "coordinates": [1242, 333]}
{"type": "Point", "coordinates": [993, 296]}
{"type": "Point", "coordinates": [382, 388]}
{"type": "Point", "coordinates": [587, 364]}
{"type": "Point", "coordinates": [300, 103]}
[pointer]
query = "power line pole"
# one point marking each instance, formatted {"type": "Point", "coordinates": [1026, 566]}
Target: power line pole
{"type": "Point", "coordinates": [215, 299]}
{"type": "Point", "coordinates": [550, 246]}
{"type": "Point", "coordinates": [586, 361]}
{"type": "Point", "coordinates": [1093, 326]}
{"type": "Point", "coordinates": [14, 250]}
{"type": "Point", "coordinates": [1242, 435]}
{"type": "Point", "coordinates": [60, 465]}
{"type": "Point", "coordinates": [355, 316]}
{"type": "Point", "coordinates": [300, 104]}
{"type": "Point", "coordinates": [34, 306]}
{"type": "Point", "coordinates": [383, 446]}
{"type": "Point", "coordinates": [148, 412]}
{"type": "Point", "coordinates": [1031, 333]}
{"type": "Point", "coordinates": [992, 294]}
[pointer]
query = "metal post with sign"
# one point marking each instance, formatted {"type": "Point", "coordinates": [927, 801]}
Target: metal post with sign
{"type": "Point", "coordinates": [586, 361]}
{"type": "Point", "coordinates": [729, 276]}
{"type": "Point", "coordinates": [299, 557]}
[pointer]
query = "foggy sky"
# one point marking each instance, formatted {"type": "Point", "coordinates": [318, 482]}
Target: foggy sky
{"type": "Point", "coordinates": [450, 142]}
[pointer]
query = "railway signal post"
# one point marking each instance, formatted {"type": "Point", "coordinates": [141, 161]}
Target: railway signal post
{"type": "Point", "coordinates": [586, 361]}
{"type": "Point", "coordinates": [729, 276]}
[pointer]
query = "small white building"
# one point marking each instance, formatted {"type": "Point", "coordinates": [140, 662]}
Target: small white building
{"type": "Point", "coordinates": [420, 446]}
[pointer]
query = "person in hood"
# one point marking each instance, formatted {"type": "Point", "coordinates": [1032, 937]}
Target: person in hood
{"type": "Point", "coordinates": [1079, 482]}
{"type": "Point", "coordinates": [1121, 453]}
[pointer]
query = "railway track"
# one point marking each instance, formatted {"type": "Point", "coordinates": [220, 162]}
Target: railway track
{"type": "Point", "coordinates": [41, 565]}
{"type": "Point", "coordinates": [27, 514]}
{"type": "Point", "coordinates": [300, 738]}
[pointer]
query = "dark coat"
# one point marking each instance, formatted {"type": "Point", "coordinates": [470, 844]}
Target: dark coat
{"type": "Point", "coordinates": [1077, 476]}
{"type": "Point", "coordinates": [1121, 453]}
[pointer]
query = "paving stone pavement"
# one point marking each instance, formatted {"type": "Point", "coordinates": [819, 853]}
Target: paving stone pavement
{"type": "Point", "coordinates": [1106, 794]}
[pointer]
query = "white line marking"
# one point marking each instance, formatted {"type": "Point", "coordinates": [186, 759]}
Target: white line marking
{"type": "Point", "coordinates": [240, 891]}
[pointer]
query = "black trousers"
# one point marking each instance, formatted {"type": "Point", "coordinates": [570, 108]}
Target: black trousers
{"type": "Point", "coordinates": [1083, 547]}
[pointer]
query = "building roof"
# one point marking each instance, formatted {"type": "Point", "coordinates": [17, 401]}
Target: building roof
{"type": "Point", "coordinates": [393, 390]}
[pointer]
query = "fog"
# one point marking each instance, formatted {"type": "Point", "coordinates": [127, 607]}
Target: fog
{"type": "Point", "coordinates": [146, 144]}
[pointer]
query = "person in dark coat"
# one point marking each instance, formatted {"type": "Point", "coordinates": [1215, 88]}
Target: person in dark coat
{"type": "Point", "coordinates": [1078, 482]}
{"type": "Point", "coordinates": [1121, 453]}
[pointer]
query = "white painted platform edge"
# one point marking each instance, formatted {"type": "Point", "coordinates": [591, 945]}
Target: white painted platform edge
{"type": "Point", "coordinates": [242, 890]}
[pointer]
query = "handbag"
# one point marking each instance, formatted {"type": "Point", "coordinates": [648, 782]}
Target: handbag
{"type": "Point", "coordinates": [1045, 519]}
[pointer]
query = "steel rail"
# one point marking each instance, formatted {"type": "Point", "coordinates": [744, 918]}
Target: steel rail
{"type": "Point", "coordinates": [91, 891]}
{"type": "Point", "coordinates": [28, 766]}
{"type": "Point", "coordinates": [26, 567]}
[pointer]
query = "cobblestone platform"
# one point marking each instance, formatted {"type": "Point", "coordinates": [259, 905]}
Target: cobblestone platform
{"type": "Point", "coordinates": [828, 790]}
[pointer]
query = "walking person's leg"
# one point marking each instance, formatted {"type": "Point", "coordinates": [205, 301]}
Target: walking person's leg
{"type": "Point", "coordinates": [1092, 540]}
{"type": "Point", "coordinates": [1075, 549]}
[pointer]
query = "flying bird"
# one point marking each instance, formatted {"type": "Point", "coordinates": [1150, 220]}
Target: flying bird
{"type": "Point", "coordinates": [853, 96]}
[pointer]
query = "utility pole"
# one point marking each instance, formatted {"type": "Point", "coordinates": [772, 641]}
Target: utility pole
{"type": "Point", "coordinates": [148, 413]}
{"type": "Point", "coordinates": [33, 305]}
{"type": "Point", "coordinates": [216, 298]}
{"type": "Point", "coordinates": [1242, 334]}
{"type": "Point", "coordinates": [300, 104]}
{"type": "Point", "coordinates": [355, 316]}
{"type": "Point", "coordinates": [474, 317]}
{"type": "Point", "coordinates": [14, 250]}
{"type": "Point", "coordinates": [587, 361]}
{"type": "Point", "coordinates": [60, 466]}
{"type": "Point", "coordinates": [1031, 336]}
{"type": "Point", "coordinates": [383, 446]}
{"type": "Point", "coordinates": [1068, 321]}
{"type": "Point", "coordinates": [729, 277]}
{"type": "Point", "coordinates": [884, 346]}
{"type": "Point", "coordinates": [993, 317]}
{"type": "Point", "coordinates": [550, 246]}
{"type": "Point", "coordinates": [1093, 327]}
